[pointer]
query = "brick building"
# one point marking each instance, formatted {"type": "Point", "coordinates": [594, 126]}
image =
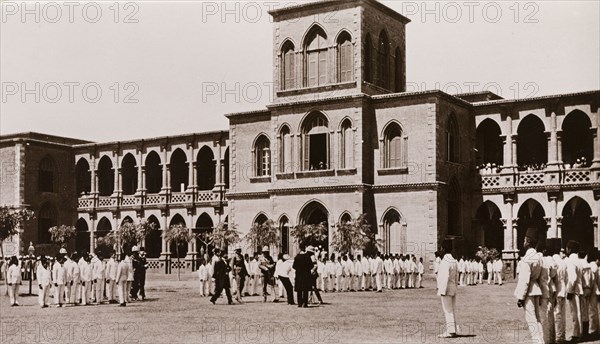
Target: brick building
{"type": "Point", "coordinates": [343, 138]}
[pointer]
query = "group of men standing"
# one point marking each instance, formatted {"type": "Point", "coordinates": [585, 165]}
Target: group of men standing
{"type": "Point", "coordinates": [83, 279]}
{"type": "Point", "coordinates": [548, 280]}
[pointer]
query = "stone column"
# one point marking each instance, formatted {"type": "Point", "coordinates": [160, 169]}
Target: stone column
{"type": "Point", "coordinates": [596, 233]}
{"type": "Point", "coordinates": [559, 156]}
{"type": "Point", "coordinates": [92, 232]}
{"type": "Point", "coordinates": [553, 231]}
{"type": "Point", "coordinates": [514, 234]}
{"type": "Point", "coordinates": [515, 162]}
{"type": "Point", "coordinates": [552, 141]}
{"type": "Point", "coordinates": [559, 226]}
{"type": "Point", "coordinates": [140, 179]}
{"type": "Point", "coordinates": [509, 235]}
{"type": "Point", "coordinates": [94, 177]}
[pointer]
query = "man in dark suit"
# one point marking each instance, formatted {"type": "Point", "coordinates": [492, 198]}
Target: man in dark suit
{"type": "Point", "coordinates": [221, 276]}
{"type": "Point", "coordinates": [303, 266]}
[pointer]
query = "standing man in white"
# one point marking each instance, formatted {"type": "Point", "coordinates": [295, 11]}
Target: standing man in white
{"type": "Point", "coordinates": [447, 281]}
{"type": "Point", "coordinates": [122, 275]}
{"type": "Point", "coordinates": [574, 287]}
{"type": "Point", "coordinates": [528, 291]}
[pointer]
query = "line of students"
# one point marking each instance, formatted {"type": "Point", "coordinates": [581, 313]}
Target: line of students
{"type": "Point", "coordinates": [80, 279]}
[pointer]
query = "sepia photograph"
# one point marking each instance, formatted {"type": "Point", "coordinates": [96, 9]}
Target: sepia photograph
{"type": "Point", "coordinates": [317, 171]}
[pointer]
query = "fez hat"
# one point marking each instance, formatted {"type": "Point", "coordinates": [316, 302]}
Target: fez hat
{"type": "Point", "coordinates": [135, 249]}
{"type": "Point", "coordinates": [265, 249]}
{"type": "Point", "coordinates": [573, 246]}
{"type": "Point", "coordinates": [531, 233]}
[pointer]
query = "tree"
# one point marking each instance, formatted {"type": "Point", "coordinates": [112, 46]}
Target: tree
{"type": "Point", "coordinates": [352, 235]}
{"type": "Point", "coordinates": [129, 234]}
{"type": "Point", "coordinates": [10, 221]}
{"type": "Point", "coordinates": [265, 234]}
{"type": "Point", "coordinates": [62, 234]}
{"type": "Point", "coordinates": [221, 236]}
{"type": "Point", "coordinates": [179, 234]}
{"type": "Point", "coordinates": [310, 234]}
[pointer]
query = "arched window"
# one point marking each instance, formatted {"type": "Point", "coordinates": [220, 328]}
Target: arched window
{"type": "Point", "coordinates": [153, 241]}
{"type": "Point", "coordinates": [179, 171]}
{"type": "Point", "coordinates": [262, 157]}
{"type": "Point", "coordinates": [206, 166]}
{"type": "Point", "coordinates": [83, 177]}
{"type": "Point", "coordinates": [46, 175]}
{"type": "Point", "coordinates": [577, 140]}
{"type": "Point", "coordinates": [394, 150]}
{"type": "Point", "coordinates": [368, 61]}
{"type": "Point", "coordinates": [129, 175]}
{"type": "Point", "coordinates": [395, 232]}
{"type": "Point", "coordinates": [47, 218]}
{"type": "Point", "coordinates": [532, 143]}
{"type": "Point", "coordinates": [284, 229]}
{"type": "Point", "coordinates": [346, 144]}
{"type": "Point", "coordinates": [315, 60]}
{"type": "Point", "coordinates": [452, 140]}
{"type": "Point", "coordinates": [285, 150]}
{"type": "Point", "coordinates": [288, 65]}
{"type": "Point", "coordinates": [106, 177]}
{"type": "Point", "coordinates": [183, 247]}
{"type": "Point", "coordinates": [383, 58]}
{"type": "Point", "coordinates": [489, 143]}
{"type": "Point", "coordinates": [399, 71]}
{"type": "Point", "coordinates": [82, 236]}
{"type": "Point", "coordinates": [315, 142]}
{"type": "Point", "coordinates": [454, 208]}
{"type": "Point", "coordinates": [153, 173]}
{"type": "Point", "coordinates": [345, 58]}
{"type": "Point", "coordinates": [104, 227]}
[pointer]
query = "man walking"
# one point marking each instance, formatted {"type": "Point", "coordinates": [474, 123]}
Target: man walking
{"type": "Point", "coordinates": [447, 280]}
{"type": "Point", "coordinates": [303, 266]}
{"type": "Point", "coordinates": [221, 276]}
{"type": "Point", "coordinates": [239, 272]}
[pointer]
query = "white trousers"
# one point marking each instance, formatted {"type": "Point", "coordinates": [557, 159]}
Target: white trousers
{"type": "Point", "coordinates": [99, 288]}
{"type": "Point", "coordinates": [593, 310]}
{"type": "Point", "coordinates": [13, 293]}
{"type": "Point", "coordinates": [448, 306]}
{"type": "Point", "coordinates": [43, 295]}
{"type": "Point", "coordinates": [85, 292]}
{"type": "Point", "coordinates": [378, 281]}
{"type": "Point", "coordinates": [559, 318]}
{"type": "Point", "coordinates": [111, 290]}
{"type": "Point", "coordinates": [123, 292]}
{"type": "Point", "coordinates": [74, 291]}
{"type": "Point", "coordinates": [575, 308]}
{"type": "Point", "coordinates": [547, 320]}
{"type": "Point", "coordinates": [59, 293]}
{"type": "Point", "coordinates": [204, 288]}
{"type": "Point", "coordinates": [532, 318]}
{"type": "Point", "coordinates": [498, 276]}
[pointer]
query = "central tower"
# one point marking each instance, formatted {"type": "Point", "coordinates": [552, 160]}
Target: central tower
{"type": "Point", "coordinates": [334, 48]}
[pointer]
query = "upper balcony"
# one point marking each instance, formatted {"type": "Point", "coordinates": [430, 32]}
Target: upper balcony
{"type": "Point", "coordinates": [208, 198]}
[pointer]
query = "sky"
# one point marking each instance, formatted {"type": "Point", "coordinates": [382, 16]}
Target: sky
{"type": "Point", "coordinates": [107, 71]}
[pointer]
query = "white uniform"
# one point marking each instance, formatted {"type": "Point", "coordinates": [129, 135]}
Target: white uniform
{"type": "Point", "coordinates": [44, 277]}
{"type": "Point", "coordinates": [339, 272]}
{"type": "Point", "coordinates": [129, 262]}
{"type": "Point", "coordinates": [13, 279]}
{"type": "Point", "coordinates": [548, 286]}
{"type": "Point", "coordinates": [561, 293]}
{"type": "Point", "coordinates": [593, 299]}
{"type": "Point", "coordinates": [378, 273]}
{"type": "Point", "coordinates": [447, 280]}
{"type": "Point", "coordinates": [461, 271]}
{"type": "Point", "coordinates": [575, 288]}
{"type": "Point", "coordinates": [111, 279]}
{"type": "Point", "coordinates": [490, 270]}
{"type": "Point", "coordinates": [358, 275]}
{"type": "Point", "coordinates": [85, 272]}
{"type": "Point", "coordinates": [330, 274]}
{"type": "Point", "coordinates": [529, 291]}
{"type": "Point", "coordinates": [59, 277]}
{"type": "Point", "coordinates": [498, 271]}
{"type": "Point", "coordinates": [421, 271]}
{"type": "Point", "coordinates": [98, 275]}
{"type": "Point", "coordinates": [203, 277]}
{"type": "Point", "coordinates": [122, 274]}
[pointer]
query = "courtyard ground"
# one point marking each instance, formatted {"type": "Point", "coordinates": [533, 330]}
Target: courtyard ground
{"type": "Point", "coordinates": [174, 313]}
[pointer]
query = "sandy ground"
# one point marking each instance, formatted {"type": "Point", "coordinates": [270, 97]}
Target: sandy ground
{"type": "Point", "coordinates": [174, 313]}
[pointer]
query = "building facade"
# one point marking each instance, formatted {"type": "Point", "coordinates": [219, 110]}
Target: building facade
{"type": "Point", "coordinates": [342, 138]}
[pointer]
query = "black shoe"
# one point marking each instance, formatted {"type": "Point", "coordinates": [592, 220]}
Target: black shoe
{"type": "Point", "coordinates": [123, 304]}
{"type": "Point", "coordinates": [212, 301]}
{"type": "Point", "coordinates": [305, 306]}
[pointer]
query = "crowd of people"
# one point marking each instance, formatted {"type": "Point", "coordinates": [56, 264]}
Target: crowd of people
{"type": "Point", "coordinates": [81, 279]}
{"type": "Point", "coordinates": [328, 273]}
{"type": "Point", "coordinates": [548, 279]}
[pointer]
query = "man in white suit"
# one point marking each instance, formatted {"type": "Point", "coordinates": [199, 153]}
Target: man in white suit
{"type": "Point", "coordinates": [574, 286]}
{"type": "Point", "coordinates": [561, 291]}
{"type": "Point", "coordinates": [122, 275]}
{"type": "Point", "coordinates": [447, 281]}
{"type": "Point", "coordinates": [528, 291]}
{"type": "Point", "coordinates": [378, 272]}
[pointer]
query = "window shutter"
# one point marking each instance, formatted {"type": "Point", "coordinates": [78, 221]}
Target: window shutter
{"type": "Point", "coordinates": [322, 69]}
{"type": "Point", "coordinates": [313, 65]}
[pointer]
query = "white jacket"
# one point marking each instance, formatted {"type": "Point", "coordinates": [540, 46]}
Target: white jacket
{"type": "Point", "coordinates": [365, 265]}
{"type": "Point", "coordinates": [447, 277]}
{"type": "Point", "coordinates": [203, 273]}
{"type": "Point", "coordinates": [99, 269]}
{"type": "Point", "coordinates": [85, 272]}
{"type": "Point", "coordinates": [59, 275]}
{"type": "Point", "coordinates": [13, 274]}
{"type": "Point", "coordinates": [44, 276]}
{"type": "Point", "coordinates": [122, 271]}
{"type": "Point", "coordinates": [111, 270]}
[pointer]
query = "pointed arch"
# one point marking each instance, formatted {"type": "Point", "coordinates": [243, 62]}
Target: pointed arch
{"type": "Point", "coordinates": [577, 223]}
{"type": "Point", "coordinates": [285, 149]}
{"type": "Point", "coordinates": [82, 236]}
{"type": "Point", "coordinates": [490, 148]}
{"type": "Point", "coordinates": [204, 226]}
{"type": "Point", "coordinates": [288, 65]}
{"type": "Point", "coordinates": [83, 177]}
{"type": "Point", "coordinates": [260, 218]}
{"type": "Point", "coordinates": [284, 234]}
{"type": "Point", "coordinates": [106, 177]}
{"type": "Point", "coordinates": [314, 212]}
{"type": "Point", "coordinates": [531, 215]}
{"type": "Point", "coordinates": [315, 56]}
{"type": "Point", "coordinates": [532, 143]}
{"type": "Point", "coordinates": [129, 174]}
{"type": "Point", "coordinates": [383, 60]}
{"type": "Point", "coordinates": [394, 227]}
{"type": "Point", "coordinates": [577, 139]}
{"type": "Point", "coordinates": [345, 57]}
{"type": "Point", "coordinates": [179, 171]}
{"type": "Point", "coordinates": [153, 173]}
{"type": "Point", "coordinates": [183, 247]}
{"type": "Point", "coordinates": [207, 169]}
{"type": "Point", "coordinates": [262, 156]}
{"type": "Point", "coordinates": [395, 150]}
{"type": "Point", "coordinates": [368, 60]}
{"type": "Point", "coordinates": [346, 144]}
{"type": "Point", "coordinates": [490, 226]}
{"type": "Point", "coordinates": [153, 242]}
{"type": "Point", "coordinates": [103, 227]}
{"type": "Point", "coordinates": [345, 217]}
{"type": "Point", "coordinates": [315, 141]}
{"type": "Point", "coordinates": [452, 139]}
